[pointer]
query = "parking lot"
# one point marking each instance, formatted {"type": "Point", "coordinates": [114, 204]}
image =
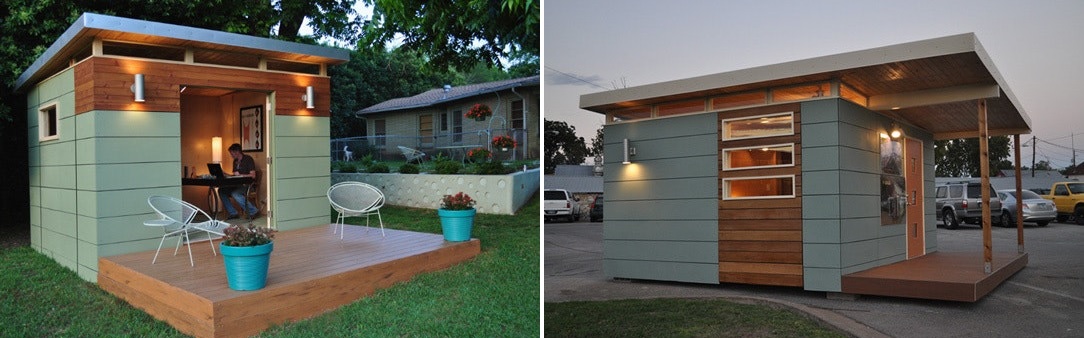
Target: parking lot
{"type": "Point", "coordinates": [1045, 299]}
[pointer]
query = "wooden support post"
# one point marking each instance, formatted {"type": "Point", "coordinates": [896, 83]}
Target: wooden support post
{"type": "Point", "coordinates": [984, 166]}
{"type": "Point", "coordinates": [1019, 194]}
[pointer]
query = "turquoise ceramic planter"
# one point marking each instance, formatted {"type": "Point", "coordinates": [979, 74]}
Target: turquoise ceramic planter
{"type": "Point", "coordinates": [246, 266]}
{"type": "Point", "coordinates": [456, 224]}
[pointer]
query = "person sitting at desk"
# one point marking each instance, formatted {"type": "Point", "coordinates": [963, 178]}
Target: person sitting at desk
{"type": "Point", "coordinates": [243, 165]}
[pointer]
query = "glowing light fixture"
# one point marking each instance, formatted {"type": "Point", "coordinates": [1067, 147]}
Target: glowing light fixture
{"type": "Point", "coordinates": [309, 102]}
{"type": "Point", "coordinates": [138, 89]}
{"type": "Point", "coordinates": [896, 132]}
{"type": "Point", "coordinates": [216, 149]}
{"type": "Point", "coordinates": [627, 151]}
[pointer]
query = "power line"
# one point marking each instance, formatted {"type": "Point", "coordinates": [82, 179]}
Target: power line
{"type": "Point", "coordinates": [577, 78]}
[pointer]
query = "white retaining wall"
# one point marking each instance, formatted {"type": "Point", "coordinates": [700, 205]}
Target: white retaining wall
{"type": "Point", "coordinates": [495, 194]}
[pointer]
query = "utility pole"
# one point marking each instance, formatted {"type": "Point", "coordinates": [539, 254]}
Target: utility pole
{"type": "Point", "coordinates": [1034, 149]}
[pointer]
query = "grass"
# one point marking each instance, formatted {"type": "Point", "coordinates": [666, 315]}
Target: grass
{"type": "Point", "coordinates": [676, 318]}
{"type": "Point", "coordinates": [494, 295]}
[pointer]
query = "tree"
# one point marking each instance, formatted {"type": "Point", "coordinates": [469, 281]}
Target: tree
{"type": "Point", "coordinates": [956, 158]}
{"type": "Point", "coordinates": [562, 145]}
{"type": "Point", "coordinates": [1043, 165]}
{"type": "Point", "coordinates": [449, 32]}
{"type": "Point", "coordinates": [596, 143]}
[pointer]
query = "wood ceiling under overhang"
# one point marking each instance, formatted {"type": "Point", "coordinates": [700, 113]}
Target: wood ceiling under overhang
{"type": "Point", "coordinates": [932, 84]}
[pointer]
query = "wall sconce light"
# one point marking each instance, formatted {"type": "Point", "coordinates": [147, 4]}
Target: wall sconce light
{"type": "Point", "coordinates": [137, 88]}
{"type": "Point", "coordinates": [309, 103]}
{"type": "Point", "coordinates": [627, 151]}
{"type": "Point", "coordinates": [896, 132]}
{"type": "Point", "coordinates": [216, 149]}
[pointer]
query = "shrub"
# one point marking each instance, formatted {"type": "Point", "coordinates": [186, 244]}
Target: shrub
{"type": "Point", "coordinates": [448, 167]}
{"type": "Point", "coordinates": [491, 168]}
{"type": "Point", "coordinates": [408, 168]}
{"type": "Point", "coordinates": [367, 161]}
{"type": "Point", "coordinates": [379, 168]}
{"type": "Point", "coordinates": [348, 168]}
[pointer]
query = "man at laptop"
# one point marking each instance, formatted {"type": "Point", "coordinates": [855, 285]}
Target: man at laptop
{"type": "Point", "coordinates": [243, 165]}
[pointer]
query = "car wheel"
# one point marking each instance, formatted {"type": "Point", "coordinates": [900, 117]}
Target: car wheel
{"type": "Point", "coordinates": [1078, 213]}
{"type": "Point", "coordinates": [1042, 223]}
{"type": "Point", "coordinates": [1006, 220]}
{"type": "Point", "coordinates": [1061, 218]}
{"type": "Point", "coordinates": [949, 219]}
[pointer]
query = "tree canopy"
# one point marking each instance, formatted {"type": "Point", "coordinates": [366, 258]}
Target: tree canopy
{"type": "Point", "coordinates": [459, 33]}
{"type": "Point", "coordinates": [958, 158]}
{"type": "Point", "coordinates": [562, 145]}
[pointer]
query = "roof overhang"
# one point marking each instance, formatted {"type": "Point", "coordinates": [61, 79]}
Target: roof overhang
{"type": "Point", "coordinates": [90, 26]}
{"type": "Point", "coordinates": [932, 84]}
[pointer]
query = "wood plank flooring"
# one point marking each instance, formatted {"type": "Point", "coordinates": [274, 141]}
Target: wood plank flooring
{"type": "Point", "coordinates": [953, 276]}
{"type": "Point", "coordinates": [311, 272]}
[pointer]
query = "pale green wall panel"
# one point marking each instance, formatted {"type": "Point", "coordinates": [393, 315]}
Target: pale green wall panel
{"type": "Point", "coordinates": [857, 229]}
{"type": "Point", "coordinates": [290, 126]}
{"type": "Point", "coordinates": [303, 187]}
{"type": "Point", "coordinates": [57, 153]}
{"type": "Point", "coordinates": [819, 206]}
{"type": "Point", "coordinates": [856, 182]}
{"type": "Point", "coordinates": [816, 255]}
{"type": "Point", "coordinates": [820, 111]}
{"type": "Point", "coordinates": [34, 154]}
{"type": "Point", "coordinates": [858, 160]}
{"type": "Point", "coordinates": [118, 229]}
{"type": "Point", "coordinates": [129, 175]}
{"type": "Point", "coordinates": [665, 251]}
{"type": "Point", "coordinates": [58, 199]}
{"type": "Point", "coordinates": [302, 168]}
{"type": "Point", "coordinates": [677, 188]}
{"type": "Point", "coordinates": [59, 84]}
{"type": "Point", "coordinates": [697, 209]}
{"type": "Point", "coordinates": [822, 279]}
{"type": "Point", "coordinates": [109, 150]}
{"type": "Point", "coordinates": [820, 135]}
{"type": "Point", "coordinates": [62, 248]}
{"type": "Point", "coordinates": [60, 222]}
{"type": "Point", "coordinates": [858, 206]}
{"type": "Point", "coordinates": [821, 231]}
{"type": "Point", "coordinates": [60, 177]}
{"type": "Point", "coordinates": [855, 253]}
{"type": "Point", "coordinates": [109, 123]}
{"type": "Point", "coordinates": [852, 136]}
{"type": "Point", "coordinates": [819, 158]}
{"type": "Point", "coordinates": [111, 203]}
{"type": "Point", "coordinates": [669, 271]}
{"type": "Point", "coordinates": [294, 209]}
{"type": "Point", "coordinates": [675, 230]}
{"type": "Point", "coordinates": [304, 147]}
{"type": "Point", "coordinates": [642, 168]}
{"type": "Point", "coordinates": [821, 182]}
{"type": "Point", "coordinates": [294, 224]}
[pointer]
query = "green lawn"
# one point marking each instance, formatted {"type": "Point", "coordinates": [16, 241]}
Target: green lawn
{"type": "Point", "coordinates": [494, 295]}
{"type": "Point", "coordinates": [677, 318]}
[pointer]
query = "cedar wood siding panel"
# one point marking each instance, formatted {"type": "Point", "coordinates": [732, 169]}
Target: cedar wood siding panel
{"type": "Point", "coordinates": [759, 238]}
{"type": "Point", "coordinates": [841, 221]}
{"type": "Point", "coordinates": [660, 221]}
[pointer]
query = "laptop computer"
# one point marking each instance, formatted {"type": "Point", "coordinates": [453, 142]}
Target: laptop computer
{"type": "Point", "coordinates": [216, 170]}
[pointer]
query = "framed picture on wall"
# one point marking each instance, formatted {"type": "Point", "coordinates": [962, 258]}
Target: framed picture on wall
{"type": "Point", "coordinates": [252, 128]}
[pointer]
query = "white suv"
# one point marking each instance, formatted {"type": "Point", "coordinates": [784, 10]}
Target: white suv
{"type": "Point", "coordinates": [559, 203]}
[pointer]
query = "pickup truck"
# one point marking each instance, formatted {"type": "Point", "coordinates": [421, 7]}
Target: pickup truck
{"type": "Point", "coordinates": [559, 203]}
{"type": "Point", "coordinates": [1068, 198]}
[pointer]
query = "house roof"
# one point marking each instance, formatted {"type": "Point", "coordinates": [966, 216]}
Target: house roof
{"type": "Point", "coordinates": [438, 96]}
{"type": "Point", "coordinates": [932, 84]}
{"type": "Point", "coordinates": [89, 26]}
{"type": "Point", "coordinates": [575, 184]}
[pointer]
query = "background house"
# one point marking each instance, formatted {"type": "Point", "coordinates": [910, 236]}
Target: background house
{"type": "Point", "coordinates": [433, 121]}
{"type": "Point", "coordinates": [121, 109]}
{"type": "Point", "coordinates": [580, 180]}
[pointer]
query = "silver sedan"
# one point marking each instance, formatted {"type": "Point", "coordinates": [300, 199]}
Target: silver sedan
{"type": "Point", "coordinates": [1036, 209]}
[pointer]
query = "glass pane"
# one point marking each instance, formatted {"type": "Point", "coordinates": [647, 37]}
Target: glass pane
{"type": "Point", "coordinates": [634, 113]}
{"type": "Point", "coordinates": [801, 92]}
{"type": "Point", "coordinates": [769, 156]}
{"type": "Point", "coordinates": [760, 187]}
{"type": "Point", "coordinates": [760, 126]}
{"type": "Point", "coordinates": [684, 107]}
{"type": "Point", "coordinates": [739, 100]}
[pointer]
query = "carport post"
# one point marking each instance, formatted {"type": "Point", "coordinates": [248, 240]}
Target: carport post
{"type": "Point", "coordinates": [1020, 196]}
{"type": "Point", "coordinates": [984, 166]}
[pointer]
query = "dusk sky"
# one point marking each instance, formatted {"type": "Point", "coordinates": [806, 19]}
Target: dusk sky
{"type": "Point", "coordinates": [593, 46]}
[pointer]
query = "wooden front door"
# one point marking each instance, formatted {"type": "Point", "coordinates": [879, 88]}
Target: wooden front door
{"type": "Point", "coordinates": [916, 238]}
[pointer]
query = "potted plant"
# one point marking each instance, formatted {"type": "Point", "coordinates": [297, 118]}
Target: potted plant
{"type": "Point", "coordinates": [479, 155]}
{"type": "Point", "coordinates": [479, 112]}
{"type": "Point", "coordinates": [456, 217]}
{"type": "Point", "coordinates": [504, 142]}
{"type": "Point", "coordinates": [246, 253]}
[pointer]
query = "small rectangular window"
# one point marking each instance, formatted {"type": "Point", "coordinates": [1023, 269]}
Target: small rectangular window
{"type": "Point", "coordinates": [628, 114]}
{"type": "Point", "coordinates": [47, 123]}
{"type": "Point", "coordinates": [769, 156]}
{"type": "Point", "coordinates": [457, 126]}
{"type": "Point", "coordinates": [802, 92]}
{"type": "Point", "coordinates": [517, 114]}
{"type": "Point", "coordinates": [758, 126]}
{"type": "Point", "coordinates": [758, 187]}
{"type": "Point", "coordinates": [683, 107]}
{"type": "Point", "coordinates": [380, 131]}
{"type": "Point", "coordinates": [739, 100]}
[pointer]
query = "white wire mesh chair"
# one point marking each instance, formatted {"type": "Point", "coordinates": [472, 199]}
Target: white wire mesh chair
{"type": "Point", "coordinates": [176, 219]}
{"type": "Point", "coordinates": [352, 199]}
{"type": "Point", "coordinates": [412, 154]}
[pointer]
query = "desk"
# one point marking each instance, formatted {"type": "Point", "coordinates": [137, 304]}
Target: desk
{"type": "Point", "coordinates": [460, 150]}
{"type": "Point", "coordinates": [212, 185]}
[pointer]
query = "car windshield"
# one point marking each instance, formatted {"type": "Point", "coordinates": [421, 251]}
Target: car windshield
{"type": "Point", "coordinates": [1028, 194]}
{"type": "Point", "coordinates": [1076, 188]}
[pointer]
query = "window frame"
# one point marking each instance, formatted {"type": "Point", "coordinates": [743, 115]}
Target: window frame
{"type": "Point", "coordinates": [726, 157]}
{"type": "Point", "coordinates": [723, 123]}
{"type": "Point", "coordinates": [47, 122]}
{"type": "Point", "coordinates": [726, 187]}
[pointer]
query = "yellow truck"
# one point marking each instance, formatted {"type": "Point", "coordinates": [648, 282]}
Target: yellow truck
{"type": "Point", "coordinates": [1068, 198]}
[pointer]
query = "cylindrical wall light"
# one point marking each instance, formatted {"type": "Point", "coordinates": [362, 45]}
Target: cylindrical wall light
{"type": "Point", "coordinates": [137, 88]}
{"type": "Point", "coordinates": [309, 102]}
{"type": "Point", "coordinates": [216, 149]}
{"type": "Point", "coordinates": [625, 151]}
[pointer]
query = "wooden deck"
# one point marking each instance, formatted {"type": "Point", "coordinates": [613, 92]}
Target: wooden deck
{"type": "Point", "coordinates": [953, 276]}
{"type": "Point", "coordinates": [311, 272]}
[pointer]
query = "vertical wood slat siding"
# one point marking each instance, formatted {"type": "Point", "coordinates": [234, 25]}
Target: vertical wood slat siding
{"type": "Point", "coordinates": [103, 83]}
{"type": "Point", "coordinates": [760, 240]}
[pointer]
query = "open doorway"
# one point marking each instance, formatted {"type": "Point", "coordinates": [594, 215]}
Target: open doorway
{"type": "Point", "coordinates": [217, 118]}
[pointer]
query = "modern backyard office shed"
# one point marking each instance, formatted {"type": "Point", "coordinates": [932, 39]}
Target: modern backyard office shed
{"type": "Point", "coordinates": [809, 173]}
{"type": "Point", "coordinates": [121, 109]}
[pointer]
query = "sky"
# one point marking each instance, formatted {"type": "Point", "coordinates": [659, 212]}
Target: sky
{"type": "Point", "coordinates": [594, 46]}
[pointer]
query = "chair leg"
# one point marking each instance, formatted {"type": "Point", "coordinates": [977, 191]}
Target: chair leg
{"type": "Point", "coordinates": [209, 240]}
{"type": "Point", "coordinates": [188, 245]}
{"type": "Point", "coordinates": [381, 219]}
{"type": "Point", "coordinates": [159, 248]}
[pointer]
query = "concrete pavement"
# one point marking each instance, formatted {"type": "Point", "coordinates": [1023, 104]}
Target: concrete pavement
{"type": "Point", "coordinates": [1045, 299]}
